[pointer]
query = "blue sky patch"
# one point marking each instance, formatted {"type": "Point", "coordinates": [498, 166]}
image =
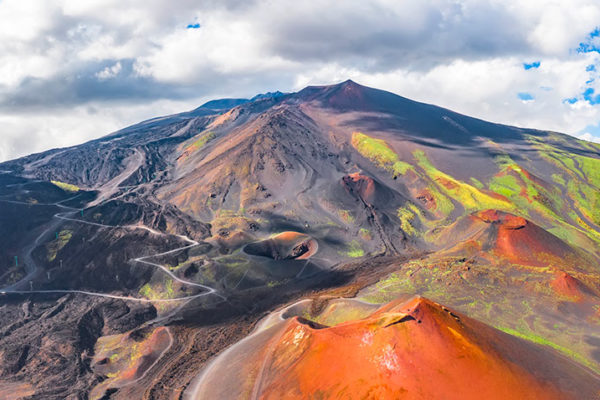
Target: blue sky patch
{"type": "Point", "coordinates": [593, 129]}
{"type": "Point", "coordinates": [590, 45]}
{"type": "Point", "coordinates": [572, 100]}
{"type": "Point", "coordinates": [193, 26]}
{"type": "Point", "coordinates": [535, 64]}
{"type": "Point", "coordinates": [591, 97]}
{"type": "Point", "coordinates": [590, 68]}
{"type": "Point", "coordinates": [525, 96]}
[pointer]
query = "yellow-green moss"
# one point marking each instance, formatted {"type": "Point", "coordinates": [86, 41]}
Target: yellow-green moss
{"type": "Point", "coordinates": [67, 187]}
{"type": "Point", "coordinates": [583, 184]}
{"type": "Point", "coordinates": [355, 250]}
{"type": "Point", "coordinates": [407, 215]}
{"type": "Point", "coordinates": [476, 182]}
{"type": "Point", "coordinates": [346, 216]}
{"type": "Point", "coordinates": [158, 292]}
{"type": "Point", "coordinates": [201, 141]}
{"type": "Point", "coordinates": [470, 197]}
{"type": "Point", "coordinates": [365, 234]}
{"type": "Point", "coordinates": [545, 342]}
{"type": "Point", "coordinates": [378, 151]}
{"type": "Point", "coordinates": [56, 245]}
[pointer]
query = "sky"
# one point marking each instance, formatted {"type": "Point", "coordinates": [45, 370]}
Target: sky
{"type": "Point", "coordinates": [73, 70]}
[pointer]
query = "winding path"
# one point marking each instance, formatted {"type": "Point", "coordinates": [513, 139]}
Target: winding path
{"type": "Point", "coordinates": [66, 216]}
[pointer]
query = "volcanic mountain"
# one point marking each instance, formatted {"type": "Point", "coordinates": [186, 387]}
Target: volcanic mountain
{"type": "Point", "coordinates": [415, 349]}
{"type": "Point", "coordinates": [147, 252]}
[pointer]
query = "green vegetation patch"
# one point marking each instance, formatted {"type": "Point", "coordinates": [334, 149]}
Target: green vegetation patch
{"type": "Point", "coordinates": [590, 168]}
{"type": "Point", "coordinates": [201, 141]}
{"type": "Point", "coordinates": [506, 185]}
{"type": "Point", "coordinates": [365, 234]}
{"type": "Point", "coordinates": [346, 216]}
{"type": "Point", "coordinates": [476, 182]}
{"type": "Point", "coordinates": [355, 250]}
{"type": "Point", "coordinates": [582, 182]}
{"type": "Point", "coordinates": [469, 196]}
{"type": "Point", "coordinates": [159, 291]}
{"type": "Point", "coordinates": [443, 203]}
{"type": "Point", "coordinates": [545, 342]}
{"type": "Point", "coordinates": [57, 244]}
{"type": "Point", "coordinates": [379, 152]}
{"type": "Point", "coordinates": [558, 178]}
{"type": "Point", "coordinates": [67, 187]}
{"type": "Point", "coordinates": [407, 215]}
{"type": "Point", "coordinates": [494, 293]}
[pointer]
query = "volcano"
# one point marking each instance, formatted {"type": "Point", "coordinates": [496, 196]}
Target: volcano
{"type": "Point", "coordinates": [396, 352]}
{"type": "Point", "coordinates": [146, 253]}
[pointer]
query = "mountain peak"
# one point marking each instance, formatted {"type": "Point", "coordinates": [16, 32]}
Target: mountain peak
{"type": "Point", "coordinates": [399, 349]}
{"type": "Point", "coordinates": [268, 95]}
{"type": "Point", "coordinates": [351, 83]}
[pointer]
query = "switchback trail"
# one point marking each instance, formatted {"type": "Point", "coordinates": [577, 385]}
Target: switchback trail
{"type": "Point", "coordinates": [67, 216]}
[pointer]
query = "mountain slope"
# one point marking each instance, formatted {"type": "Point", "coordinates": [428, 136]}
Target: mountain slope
{"type": "Point", "coordinates": [213, 217]}
{"type": "Point", "coordinates": [414, 349]}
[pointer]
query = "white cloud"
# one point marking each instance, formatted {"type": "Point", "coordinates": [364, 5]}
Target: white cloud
{"type": "Point", "coordinates": [59, 58]}
{"type": "Point", "coordinates": [22, 135]}
{"type": "Point", "coordinates": [589, 137]}
{"type": "Point", "coordinates": [110, 72]}
{"type": "Point", "coordinates": [560, 27]}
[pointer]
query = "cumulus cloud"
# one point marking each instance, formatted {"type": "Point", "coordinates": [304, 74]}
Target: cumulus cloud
{"type": "Point", "coordinates": [589, 137]}
{"type": "Point", "coordinates": [526, 63]}
{"type": "Point", "coordinates": [110, 72]}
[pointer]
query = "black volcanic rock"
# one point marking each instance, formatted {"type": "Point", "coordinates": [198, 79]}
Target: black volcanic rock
{"type": "Point", "coordinates": [205, 220]}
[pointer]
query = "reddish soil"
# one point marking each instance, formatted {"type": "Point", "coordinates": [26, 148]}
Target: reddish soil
{"type": "Point", "coordinates": [362, 185]}
{"type": "Point", "coordinates": [426, 198]}
{"type": "Point", "coordinates": [398, 352]}
{"type": "Point", "coordinates": [566, 285]}
{"type": "Point", "coordinates": [286, 245]}
{"type": "Point", "coordinates": [523, 242]}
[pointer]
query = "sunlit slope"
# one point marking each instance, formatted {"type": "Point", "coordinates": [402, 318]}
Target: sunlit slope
{"type": "Point", "coordinates": [414, 349]}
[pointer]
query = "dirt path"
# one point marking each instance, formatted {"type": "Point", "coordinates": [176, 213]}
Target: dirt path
{"type": "Point", "coordinates": [33, 269]}
{"type": "Point", "coordinates": [134, 162]}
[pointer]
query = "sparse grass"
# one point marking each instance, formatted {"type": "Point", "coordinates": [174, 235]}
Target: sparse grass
{"type": "Point", "coordinates": [443, 204]}
{"type": "Point", "coordinates": [493, 292]}
{"type": "Point", "coordinates": [158, 292]}
{"type": "Point", "coordinates": [336, 315]}
{"type": "Point", "coordinates": [126, 356]}
{"type": "Point", "coordinates": [583, 188]}
{"type": "Point", "coordinates": [590, 168]}
{"type": "Point", "coordinates": [379, 152]}
{"type": "Point", "coordinates": [558, 178]}
{"type": "Point", "coordinates": [470, 197]}
{"type": "Point", "coordinates": [407, 216]}
{"type": "Point", "coordinates": [545, 342]}
{"type": "Point", "coordinates": [365, 234]}
{"type": "Point", "coordinates": [67, 187]}
{"type": "Point", "coordinates": [476, 182]}
{"type": "Point", "coordinates": [527, 194]}
{"type": "Point", "coordinates": [231, 220]}
{"type": "Point", "coordinates": [506, 185]}
{"type": "Point", "coordinates": [233, 262]}
{"type": "Point", "coordinates": [201, 141]}
{"type": "Point", "coordinates": [355, 250]}
{"type": "Point", "coordinates": [346, 216]}
{"type": "Point", "coordinates": [57, 245]}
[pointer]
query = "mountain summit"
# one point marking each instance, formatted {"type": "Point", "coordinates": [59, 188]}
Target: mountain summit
{"type": "Point", "coordinates": [146, 253]}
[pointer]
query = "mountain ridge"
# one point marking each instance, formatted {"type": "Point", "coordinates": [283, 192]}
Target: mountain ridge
{"type": "Point", "coordinates": [208, 220]}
